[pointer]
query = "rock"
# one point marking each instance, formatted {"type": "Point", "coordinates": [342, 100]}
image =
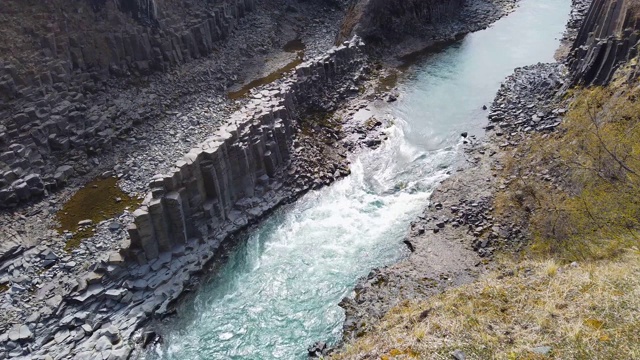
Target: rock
{"type": "Point", "coordinates": [424, 314]}
{"type": "Point", "coordinates": [11, 245]}
{"type": "Point", "coordinates": [20, 333]}
{"type": "Point", "coordinates": [458, 355]}
{"type": "Point", "coordinates": [93, 291]}
{"type": "Point", "coordinates": [54, 301]}
{"type": "Point", "coordinates": [113, 334]}
{"type": "Point", "coordinates": [93, 278]}
{"type": "Point", "coordinates": [22, 190]}
{"type": "Point", "coordinates": [103, 343]}
{"type": "Point", "coordinates": [317, 350]}
{"type": "Point", "coordinates": [464, 134]}
{"type": "Point", "coordinates": [86, 222]}
{"type": "Point", "coordinates": [115, 294]}
{"type": "Point", "coordinates": [48, 254]}
{"type": "Point", "coordinates": [409, 245]}
{"type": "Point", "coordinates": [542, 350]}
{"type": "Point", "coordinates": [8, 198]}
{"type": "Point", "coordinates": [114, 226]}
{"type": "Point", "coordinates": [150, 337]}
{"type": "Point", "coordinates": [115, 258]}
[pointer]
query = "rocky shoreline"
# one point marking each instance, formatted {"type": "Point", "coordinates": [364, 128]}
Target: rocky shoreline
{"type": "Point", "coordinates": [453, 241]}
{"type": "Point", "coordinates": [58, 303]}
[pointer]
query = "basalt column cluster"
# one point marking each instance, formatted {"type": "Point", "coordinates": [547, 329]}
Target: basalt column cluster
{"type": "Point", "coordinates": [46, 98]}
{"type": "Point", "coordinates": [607, 38]}
{"type": "Point", "coordinates": [206, 190]}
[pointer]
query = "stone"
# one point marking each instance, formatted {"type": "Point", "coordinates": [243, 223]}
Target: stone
{"type": "Point", "coordinates": [93, 278]}
{"type": "Point", "coordinates": [145, 231]}
{"type": "Point", "coordinates": [48, 254]}
{"type": "Point", "coordinates": [409, 245]}
{"type": "Point", "coordinates": [103, 343]}
{"type": "Point", "coordinates": [93, 291]}
{"type": "Point", "coordinates": [458, 355]}
{"type": "Point", "coordinates": [20, 333]}
{"type": "Point", "coordinates": [86, 222]}
{"type": "Point", "coordinates": [318, 349]}
{"type": "Point", "coordinates": [11, 244]}
{"type": "Point", "coordinates": [139, 284]}
{"type": "Point", "coordinates": [122, 353]}
{"type": "Point", "coordinates": [8, 198]}
{"type": "Point", "coordinates": [61, 336]}
{"type": "Point", "coordinates": [36, 186]}
{"type": "Point", "coordinates": [54, 301]}
{"type": "Point", "coordinates": [22, 190]}
{"type": "Point", "coordinates": [113, 334]}
{"type": "Point", "coordinates": [115, 294]}
{"type": "Point", "coordinates": [115, 258]}
{"type": "Point", "coordinates": [115, 226]}
{"type": "Point", "coordinates": [542, 350]}
{"type": "Point", "coordinates": [149, 337]}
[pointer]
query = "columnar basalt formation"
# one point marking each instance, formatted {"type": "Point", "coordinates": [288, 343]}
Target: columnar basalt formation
{"type": "Point", "coordinates": [608, 37]}
{"type": "Point", "coordinates": [45, 95]}
{"type": "Point", "coordinates": [227, 182]}
{"type": "Point", "coordinates": [243, 160]}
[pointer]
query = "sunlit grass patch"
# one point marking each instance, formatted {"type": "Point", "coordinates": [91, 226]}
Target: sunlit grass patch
{"type": "Point", "coordinates": [583, 311]}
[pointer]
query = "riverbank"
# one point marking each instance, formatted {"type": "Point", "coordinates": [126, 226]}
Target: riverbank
{"type": "Point", "coordinates": [483, 223]}
{"type": "Point", "coordinates": [554, 295]}
{"type": "Point", "coordinates": [454, 240]}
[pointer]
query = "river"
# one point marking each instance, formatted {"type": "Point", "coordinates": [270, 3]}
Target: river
{"type": "Point", "coordinates": [278, 291]}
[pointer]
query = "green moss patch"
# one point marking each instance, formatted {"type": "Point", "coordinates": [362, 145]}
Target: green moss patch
{"type": "Point", "coordinates": [99, 200]}
{"type": "Point", "coordinates": [235, 95]}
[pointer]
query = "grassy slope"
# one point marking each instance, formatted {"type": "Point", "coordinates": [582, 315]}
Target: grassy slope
{"type": "Point", "coordinates": [583, 311]}
{"type": "Point", "coordinates": [577, 288]}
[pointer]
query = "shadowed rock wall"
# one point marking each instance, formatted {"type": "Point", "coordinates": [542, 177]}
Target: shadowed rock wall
{"type": "Point", "coordinates": [608, 38]}
{"type": "Point", "coordinates": [381, 19]}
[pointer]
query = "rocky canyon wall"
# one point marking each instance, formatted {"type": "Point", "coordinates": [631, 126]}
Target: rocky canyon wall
{"type": "Point", "coordinates": [608, 38]}
{"type": "Point", "coordinates": [57, 55]}
{"type": "Point", "coordinates": [223, 180]}
{"type": "Point", "coordinates": [384, 19]}
{"type": "Point", "coordinates": [244, 170]}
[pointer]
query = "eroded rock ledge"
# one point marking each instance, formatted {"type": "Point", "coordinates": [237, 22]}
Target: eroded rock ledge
{"type": "Point", "coordinates": [241, 164]}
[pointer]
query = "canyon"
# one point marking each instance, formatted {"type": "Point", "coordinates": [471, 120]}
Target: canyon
{"type": "Point", "coordinates": [214, 115]}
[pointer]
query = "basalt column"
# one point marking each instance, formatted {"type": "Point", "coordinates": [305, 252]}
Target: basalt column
{"type": "Point", "coordinates": [241, 161]}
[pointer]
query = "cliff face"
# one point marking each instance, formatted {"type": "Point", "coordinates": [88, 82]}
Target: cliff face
{"type": "Point", "coordinates": [57, 57]}
{"type": "Point", "coordinates": [607, 39]}
{"type": "Point", "coordinates": [52, 40]}
{"type": "Point", "coordinates": [380, 19]}
{"type": "Point", "coordinates": [242, 162]}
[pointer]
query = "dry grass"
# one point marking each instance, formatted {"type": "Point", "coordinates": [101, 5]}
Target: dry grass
{"type": "Point", "coordinates": [584, 311]}
{"type": "Point", "coordinates": [591, 209]}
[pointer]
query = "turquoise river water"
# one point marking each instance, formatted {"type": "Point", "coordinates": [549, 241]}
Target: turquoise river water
{"type": "Point", "coordinates": [278, 292]}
